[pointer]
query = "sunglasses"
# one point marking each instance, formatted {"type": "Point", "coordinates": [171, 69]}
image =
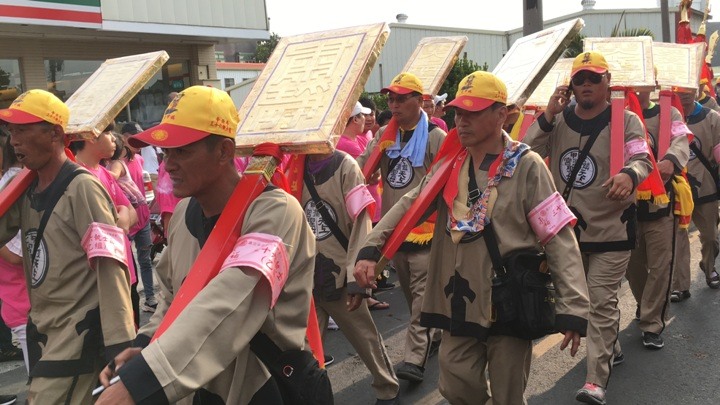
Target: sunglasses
{"type": "Point", "coordinates": [581, 76]}
{"type": "Point", "coordinates": [400, 98]}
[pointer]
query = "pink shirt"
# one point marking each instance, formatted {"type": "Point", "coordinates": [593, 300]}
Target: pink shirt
{"type": "Point", "coordinates": [440, 123]}
{"type": "Point", "coordinates": [163, 192]}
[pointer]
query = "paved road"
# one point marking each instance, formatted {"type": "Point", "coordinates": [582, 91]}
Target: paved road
{"type": "Point", "coordinates": [686, 371]}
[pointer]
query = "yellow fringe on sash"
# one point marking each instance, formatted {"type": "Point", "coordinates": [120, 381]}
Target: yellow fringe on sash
{"type": "Point", "coordinates": [684, 204]}
{"type": "Point", "coordinates": [515, 132]}
{"type": "Point", "coordinates": [386, 144]}
{"type": "Point", "coordinates": [646, 195]}
{"type": "Point", "coordinates": [421, 234]}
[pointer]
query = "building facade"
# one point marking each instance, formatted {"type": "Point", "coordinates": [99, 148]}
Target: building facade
{"type": "Point", "coordinates": [489, 47]}
{"type": "Point", "coordinates": [57, 44]}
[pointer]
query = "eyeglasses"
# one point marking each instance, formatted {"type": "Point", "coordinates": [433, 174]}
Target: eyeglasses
{"type": "Point", "coordinates": [580, 77]}
{"type": "Point", "coordinates": [400, 98]}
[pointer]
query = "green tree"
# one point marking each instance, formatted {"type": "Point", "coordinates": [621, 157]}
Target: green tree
{"type": "Point", "coordinates": [575, 47]}
{"type": "Point", "coordinates": [265, 48]}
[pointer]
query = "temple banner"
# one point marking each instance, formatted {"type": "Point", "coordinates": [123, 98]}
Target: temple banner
{"type": "Point", "coordinates": [630, 60]}
{"type": "Point", "coordinates": [303, 98]}
{"type": "Point", "coordinates": [531, 57]}
{"type": "Point", "coordinates": [101, 98]}
{"type": "Point", "coordinates": [433, 59]}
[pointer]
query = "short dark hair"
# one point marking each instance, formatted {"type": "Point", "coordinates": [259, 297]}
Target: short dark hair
{"type": "Point", "coordinates": [384, 117]}
{"type": "Point", "coordinates": [368, 103]}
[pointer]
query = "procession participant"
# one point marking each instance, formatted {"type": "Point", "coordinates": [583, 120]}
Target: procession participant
{"type": "Point", "coordinates": [439, 112]}
{"type": "Point", "coordinates": [371, 125]}
{"type": "Point", "coordinates": [81, 314]}
{"type": "Point", "coordinates": [706, 99]}
{"type": "Point", "coordinates": [204, 347]}
{"type": "Point", "coordinates": [650, 267]}
{"type": "Point", "coordinates": [338, 208]}
{"type": "Point", "coordinates": [354, 144]}
{"type": "Point", "coordinates": [403, 164]}
{"type": "Point", "coordinates": [497, 181]}
{"type": "Point", "coordinates": [603, 202]}
{"type": "Point", "coordinates": [704, 123]}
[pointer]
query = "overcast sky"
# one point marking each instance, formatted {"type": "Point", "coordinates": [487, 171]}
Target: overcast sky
{"type": "Point", "coordinates": [291, 17]}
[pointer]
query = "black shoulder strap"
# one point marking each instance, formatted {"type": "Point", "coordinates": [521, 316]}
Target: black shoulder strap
{"type": "Point", "coordinates": [53, 200]}
{"type": "Point", "coordinates": [493, 249]}
{"type": "Point", "coordinates": [580, 160]}
{"type": "Point", "coordinates": [322, 209]}
{"type": "Point", "coordinates": [265, 349]}
{"type": "Point", "coordinates": [708, 166]}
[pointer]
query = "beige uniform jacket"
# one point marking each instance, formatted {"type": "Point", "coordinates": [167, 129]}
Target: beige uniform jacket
{"type": "Point", "coordinates": [334, 183]}
{"type": "Point", "coordinates": [458, 290]}
{"type": "Point", "coordinates": [677, 153]}
{"type": "Point", "coordinates": [705, 125]}
{"type": "Point", "coordinates": [603, 225]}
{"type": "Point", "coordinates": [709, 102]}
{"type": "Point", "coordinates": [76, 312]}
{"type": "Point", "coordinates": [398, 175]}
{"type": "Point", "coordinates": [208, 344]}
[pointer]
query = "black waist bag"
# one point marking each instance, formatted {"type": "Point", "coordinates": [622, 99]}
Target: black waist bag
{"type": "Point", "coordinates": [297, 373]}
{"type": "Point", "coordinates": [523, 297]}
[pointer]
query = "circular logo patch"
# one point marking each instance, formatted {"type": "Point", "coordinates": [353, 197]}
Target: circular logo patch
{"type": "Point", "coordinates": [697, 143]}
{"type": "Point", "coordinates": [588, 170]}
{"type": "Point", "coordinates": [5, 113]}
{"type": "Point", "coordinates": [41, 263]}
{"type": "Point", "coordinates": [467, 103]}
{"type": "Point", "coordinates": [159, 135]}
{"type": "Point", "coordinates": [316, 221]}
{"type": "Point", "coordinates": [401, 174]}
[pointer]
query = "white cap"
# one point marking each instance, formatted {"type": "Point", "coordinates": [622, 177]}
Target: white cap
{"type": "Point", "coordinates": [438, 99]}
{"type": "Point", "coordinates": [359, 109]}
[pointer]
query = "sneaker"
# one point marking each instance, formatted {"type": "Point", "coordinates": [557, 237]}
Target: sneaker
{"type": "Point", "coordinates": [591, 394]}
{"type": "Point", "coordinates": [149, 306]}
{"type": "Point", "coordinates": [8, 399]}
{"type": "Point", "coordinates": [329, 360]}
{"type": "Point", "coordinates": [410, 372]}
{"type": "Point", "coordinates": [332, 325]}
{"type": "Point", "coordinates": [652, 341]}
{"type": "Point", "coordinates": [12, 354]}
{"type": "Point", "coordinates": [714, 281]}
{"type": "Point", "coordinates": [618, 359]}
{"type": "Point", "coordinates": [678, 296]}
{"type": "Point", "coordinates": [393, 401]}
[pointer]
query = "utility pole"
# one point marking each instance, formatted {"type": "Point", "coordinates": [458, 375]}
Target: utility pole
{"type": "Point", "coordinates": [532, 16]}
{"type": "Point", "coordinates": [665, 15]}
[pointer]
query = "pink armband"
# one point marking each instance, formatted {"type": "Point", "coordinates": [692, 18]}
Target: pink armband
{"type": "Point", "coordinates": [716, 153]}
{"type": "Point", "coordinates": [103, 240]}
{"type": "Point", "coordinates": [635, 147]}
{"type": "Point", "coordinates": [678, 128]}
{"type": "Point", "coordinates": [264, 253]}
{"type": "Point", "coordinates": [549, 217]}
{"type": "Point", "coordinates": [358, 199]}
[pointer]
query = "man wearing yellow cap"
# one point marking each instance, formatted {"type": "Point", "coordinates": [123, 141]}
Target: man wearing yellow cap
{"type": "Point", "coordinates": [75, 262]}
{"type": "Point", "coordinates": [208, 345]}
{"type": "Point", "coordinates": [706, 99]}
{"type": "Point", "coordinates": [649, 270]}
{"type": "Point", "coordinates": [577, 140]}
{"type": "Point", "coordinates": [702, 175]}
{"type": "Point", "coordinates": [496, 186]}
{"type": "Point", "coordinates": [409, 142]}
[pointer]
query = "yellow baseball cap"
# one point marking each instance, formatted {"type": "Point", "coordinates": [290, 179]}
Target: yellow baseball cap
{"type": "Point", "coordinates": [592, 60]}
{"type": "Point", "coordinates": [478, 91]}
{"type": "Point", "coordinates": [194, 114]}
{"type": "Point", "coordinates": [404, 83]}
{"type": "Point", "coordinates": [36, 106]}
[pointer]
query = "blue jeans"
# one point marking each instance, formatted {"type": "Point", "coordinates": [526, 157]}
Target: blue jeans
{"type": "Point", "coordinates": [143, 243]}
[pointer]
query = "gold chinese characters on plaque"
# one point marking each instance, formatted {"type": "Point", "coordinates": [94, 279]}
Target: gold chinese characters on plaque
{"type": "Point", "coordinates": [557, 76]}
{"type": "Point", "coordinates": [630, 60]}
{"type": "Point", "coordinates": [433, 59]}
{"type": "Point", "coordinates": [530, 58]}
{"type": "Point", "coordinates": [678, 65]}
{"type": "Point", "coordinates": [304, 95]}
{"type": "Point", "coordinates": [99, 100]}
